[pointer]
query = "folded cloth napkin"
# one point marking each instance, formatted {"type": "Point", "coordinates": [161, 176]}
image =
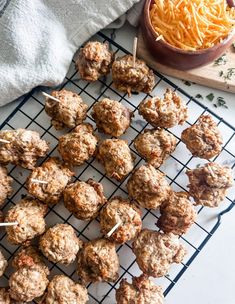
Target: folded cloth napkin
{"type": "Point", "coordinates": [38, 38]}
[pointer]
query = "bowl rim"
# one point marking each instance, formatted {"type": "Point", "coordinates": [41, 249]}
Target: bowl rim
{"type": "Point", "coordinates": [175, 49]}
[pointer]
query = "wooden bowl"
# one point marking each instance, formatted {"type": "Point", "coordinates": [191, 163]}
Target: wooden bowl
{"type": "Point", "coordinates": [171, 56]}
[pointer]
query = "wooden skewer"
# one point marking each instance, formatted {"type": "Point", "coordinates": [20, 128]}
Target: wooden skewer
{"type": "Point", "coordinates": [134, 50]}
{"type": "Point", "coordinates": [8, 224]}
{"type": "Point", "coordinates": [34, 180]}
{"type": "Point", "coordinates": [50, 96]}
{"type": "Point", "coordinates": [4, 141]}
{"type": "Point", "coordinates": [113, 229]}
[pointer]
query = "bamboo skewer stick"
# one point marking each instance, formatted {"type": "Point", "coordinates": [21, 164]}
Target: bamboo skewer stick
{"type": "Point", "coordinates": [50, 96]}
{"type": "Point", "coordinates": [34, 180]}
{"type": "Point", "coordinates": [115, 227]}
{"type": "Point", "coordinates": [134, 50]}
{"type": "Point", "coordinates": [4, 141]}
{"type": "Point", "coordinates": [8, 224]}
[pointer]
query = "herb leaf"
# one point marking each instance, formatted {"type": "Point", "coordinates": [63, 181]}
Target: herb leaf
{"type": "Point", "coordinates": [199, 96]}
{"type": "Point", "coordinates": [221, 60]}
{"type": "Point", "coordinates": [210, 97]}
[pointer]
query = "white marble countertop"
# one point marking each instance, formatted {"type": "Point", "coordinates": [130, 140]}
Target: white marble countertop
{"type": "Point", "coordinates": [210, 279]}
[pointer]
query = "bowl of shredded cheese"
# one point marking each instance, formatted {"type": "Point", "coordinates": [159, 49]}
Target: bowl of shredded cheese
{"type": "Point", "coordinates": [186, 34]}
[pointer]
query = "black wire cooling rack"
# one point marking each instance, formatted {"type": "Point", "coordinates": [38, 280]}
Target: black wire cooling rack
{"type": "Point", "coordinates": [30, 114]}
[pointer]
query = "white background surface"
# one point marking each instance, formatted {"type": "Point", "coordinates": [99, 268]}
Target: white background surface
{"type": "Point", "coordinates": [211, 277]}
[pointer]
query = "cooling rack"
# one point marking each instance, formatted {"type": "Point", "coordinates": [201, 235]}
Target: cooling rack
{"type": "Point", "coordinates": [30, 114]}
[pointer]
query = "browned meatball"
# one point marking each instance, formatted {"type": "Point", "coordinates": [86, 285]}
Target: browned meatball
{"type": "Point", "coordinates": [94, 60]}
{"type": "Point", "coordinates": [164, 113]}
{"type": "Point", "coordinates": [116, 157]}
{"type": "Point", "coordinates": [1, 217]}
{"type": "Point", "coordinates": [177, 214]}
{"type": "Point", "coordinates": [111, 117]}
{"type": "Point", "coordinates": [63, 290]}
{"type": "Point", "coordinates": [156, 251]}
{"type": "Point", "coordinates": [132, 78]}
{"type": "Point", "coordinates": [54, 176]}
{"type": "Point", "coordinates": [120, 210]}
{"type": "Point", "coordinates": [60, 244]}
{"type": "Point", "coordinates": [28, 283]}
{"type": "Point", "coordinates": [148, 187]}
{"type": "Point", "coordinates": [5, 184]}
{"type": "Point", "coordinates": [69, 112]}
{"type": "Point", "coordinates": [208, 185]}
{"type": "Point", "coordinates": [155, 146]}
{"type": "Point", "coordinates": [23, 149]}
{"type": "Point", "coordinates": [5, 296]}
{"type": "Point", "coordinates": [141, 291]}
{"type": "Point", "coordinates": [79, 145]}
{"type": "Point", "coordinates": [84, 199]}
{"type": "Point", "coordinates": [29, 257]}
{"type": "Point", "coordinates": [98, 261]}
{"type": "Point", "coordinates": [203, 139]}
{"type": "Point", "coordinates": [3, 264]}
{"type": "Point", "coordinates": [29, 214]}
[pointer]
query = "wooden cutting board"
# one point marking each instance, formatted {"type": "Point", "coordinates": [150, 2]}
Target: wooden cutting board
{"type": "Point", "coordinates": [207, 75]}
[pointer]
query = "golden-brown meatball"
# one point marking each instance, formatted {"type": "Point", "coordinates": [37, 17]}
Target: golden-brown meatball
{"type": "Point", "coordinates": [155, 146]}
{"type": "Point", "coordinates": [116, 157]}
{"type": "Point", "coordinates": [111, 117]}
{"type": "Point", "coordinates": [29, 214]}
{"type": "Point", "coordinates": [203, 139]}
{"type": "Point", "coordinates": [94, 60]}
{"type": "Point", "coordinates": [98, 261]}
{"type": "Point", "coordinates": [5, 184]}
{"type": "Point", "coordinates": [3, 264]}
{"type": "Point", "coordinates": [63, 290]}
{"type": "Point", "coordinates": [84, 199]}
{"type": "Point", "coordinates": [120, 210]}
{"type": "Point", "coordinates": [156, 251]}
{"type": "Point", "coordinates": [79, 145]}
{"type": "Point", "coordinates": [148, 187]}
{"type": "Point", "coordinates": [208, 185]}
{"type": "Point", "coordinates": [164, 113]}
{"type": "Point", "coordinates": [54, 176]}
{"type": "Point", "coordinates": [60, 244]}
{"type": "Point", "coordinates": [177, 214]}
{"type": "Point", "coordinates": [141, 291]}
{"type": "Point", "coordinates": [132, 78]}
{"type": "Point", "coordinates": [69, 112]}
{"type": "Point", "coordinates": [24, 148]}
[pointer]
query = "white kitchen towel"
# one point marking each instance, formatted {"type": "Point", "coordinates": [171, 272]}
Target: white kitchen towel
{"type": "Point", "coordinates": [38, 38]}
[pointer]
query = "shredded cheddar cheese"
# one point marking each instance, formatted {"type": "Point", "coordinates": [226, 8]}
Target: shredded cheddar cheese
{"type": "Point", "coordinates": [192, 24]}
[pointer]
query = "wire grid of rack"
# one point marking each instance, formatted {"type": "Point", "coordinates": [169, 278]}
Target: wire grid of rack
{"type": "Point", "coordinates": [30, 114]}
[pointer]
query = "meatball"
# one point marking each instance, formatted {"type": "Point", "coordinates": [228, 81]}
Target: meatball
{"type": "Point", "coordinates": [141, 291]}
{"type": "Point", "coordinates": [60, 244]}
{"type": "Point", "coordinates": [98, 261]}
{"type": "Point", "coordinates": [132, 78]}
{"type": "Point", "coordinates": [119, 210]}
{"type": "Point", "coordinates": [1, 217]}
{"type": "Point", "coordinates": [3, 263]}
{"type": "Point", "coordinates": [177, 214]}
{"type": "Point", "coordinates": [148, 187]}
{"type": "Point", "coordinates": [69, 112]}
{"type": "Point", "coordinates": [54, 176]}
{"type": "Point", "coordinates": [208, 185]}
{"type": "Point", "coordinates": [84, 199]}
{"type": "Point", "coordinates": [5, 184]}
{"type": "Point", "coordinates": [94, 60]}
{"type": "Point", "coordinates": [29, 214]}
{"type": "Point", "coordinates": [111, 117]}
{"type": "Point", "coordinates": [155, 146]}
{"type": "Point", "coordinates": [203, 139]}
{"type": "Point", "coordinates": [28, 283]}
{"type": "Point", "coordinates": [4, 296]}
{"type": "Point", "coordinates": [116, 157]}
{"type": "Point", "coordinates": [24, 147]}
{"type": "Point", "coordinates": [63, 290]}
{"type": "Point", "coordinates": [29, 257]}
{"type": "Point", "coordinates": [79, 145]}
{"type": "Point", "coordinates": [156, 251]}
{"type": "Point", "coordinates": [164, 113]}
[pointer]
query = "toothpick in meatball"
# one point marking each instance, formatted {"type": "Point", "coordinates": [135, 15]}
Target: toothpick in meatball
{"type": "Point", "coordinates": [70, 111]}
{"type": "Point", "coordinates": [156, 251]}
{"type": "Point", "coordinates": [203, 139]}
{"type": "Point", "coordinates": [209, 184]}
